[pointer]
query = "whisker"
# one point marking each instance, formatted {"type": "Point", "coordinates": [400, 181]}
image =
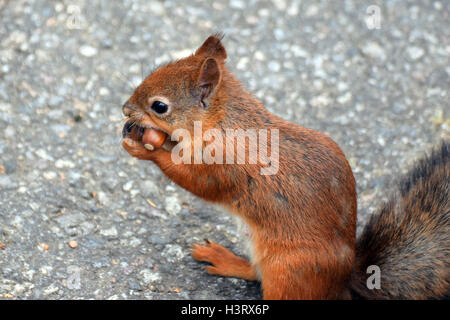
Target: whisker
{"type": "Point", "coordinates": [122, 77]}
{"type": "Point", "coordinates": [142, 70]}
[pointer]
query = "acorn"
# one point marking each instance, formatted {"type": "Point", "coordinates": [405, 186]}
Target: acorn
{"type": "Point", "coordinates": [153, 138]}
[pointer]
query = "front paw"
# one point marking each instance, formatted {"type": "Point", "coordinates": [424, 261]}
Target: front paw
{"type": "Point", "coordinates": [137, 149]}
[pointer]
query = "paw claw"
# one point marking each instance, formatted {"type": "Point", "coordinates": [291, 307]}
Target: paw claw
{"type": "Point", "coordinates": [224, 262]}
{"type": "Point", "coordinates": [212, 270]}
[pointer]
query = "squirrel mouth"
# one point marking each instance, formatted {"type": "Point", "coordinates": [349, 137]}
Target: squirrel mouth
{"type": "Point", "coordinates": [132, 130]}
{"type": "Point", "coordinates": [149, 136]}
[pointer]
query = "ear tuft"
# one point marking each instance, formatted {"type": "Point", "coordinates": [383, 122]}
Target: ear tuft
{"type": "Point", "coordinates": [212, 47]}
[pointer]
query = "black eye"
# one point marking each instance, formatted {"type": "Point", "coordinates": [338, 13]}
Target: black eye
{"type": "Point", "coordinates": [159, 107]}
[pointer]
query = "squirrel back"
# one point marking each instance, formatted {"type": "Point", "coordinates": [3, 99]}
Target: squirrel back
{"type": "Point", "coordinates": [409, 238]}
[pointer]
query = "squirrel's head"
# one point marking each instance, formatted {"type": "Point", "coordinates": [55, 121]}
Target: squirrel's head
{"type": "Point", "coordinates": [178, 93]}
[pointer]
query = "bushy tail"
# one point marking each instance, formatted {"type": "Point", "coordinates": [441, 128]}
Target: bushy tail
{"type": "Point", "coordinates": [409, 239]}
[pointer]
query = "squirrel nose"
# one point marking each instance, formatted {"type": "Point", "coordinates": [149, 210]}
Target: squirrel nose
{"type": "Point", "coordinates": [128, 108]}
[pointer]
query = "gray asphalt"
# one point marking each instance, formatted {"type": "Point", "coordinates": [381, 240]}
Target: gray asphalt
{"type": "Point", "coordinates": [66, 68]}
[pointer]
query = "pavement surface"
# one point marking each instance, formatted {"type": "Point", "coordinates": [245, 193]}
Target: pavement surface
{"type": "Point", "coordinates": [81, 219]}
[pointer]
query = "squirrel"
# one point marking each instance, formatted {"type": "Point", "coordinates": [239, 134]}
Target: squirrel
{"type": "Point", "coordinates": [300, 220]}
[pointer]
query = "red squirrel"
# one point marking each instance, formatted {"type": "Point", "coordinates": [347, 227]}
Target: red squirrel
{"type": "Point", "coordinates": [301, 220]}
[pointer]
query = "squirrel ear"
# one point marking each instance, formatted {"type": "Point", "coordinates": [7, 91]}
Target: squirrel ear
{"type": "Point", "coordinates": [212, 47]}
{"type": "Point", "coordinates": [208, 80]}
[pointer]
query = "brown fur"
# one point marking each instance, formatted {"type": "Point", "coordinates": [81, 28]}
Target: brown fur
{"type": "Point", "coordinates": [302, 218]}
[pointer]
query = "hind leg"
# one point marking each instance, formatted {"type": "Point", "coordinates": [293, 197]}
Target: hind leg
{"type": "Point", "coordinates": [224, 262]}
{"type": "Point", "coordinates": [300, 278]}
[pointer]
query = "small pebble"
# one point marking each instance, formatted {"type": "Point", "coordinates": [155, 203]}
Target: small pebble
{"type": "Point", "coordinates": [415, 53]}
{"type": "Point", "coordinates": [374, 50]}
{"type": "Point", "coordinates": [73, 244]}
{"type": "Point", "coordinates": [88, 51]}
